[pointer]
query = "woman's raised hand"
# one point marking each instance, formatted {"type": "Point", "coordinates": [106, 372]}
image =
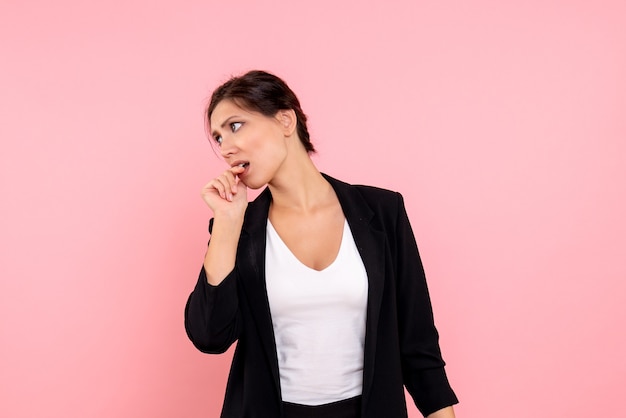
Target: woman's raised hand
{"type": "Point", "coordinates": [227, 197]}
{"type": "Point", "coordinates": [226, 194]}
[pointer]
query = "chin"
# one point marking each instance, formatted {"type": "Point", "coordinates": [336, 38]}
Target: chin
{"type": "Point", "coordinates": [253, 185]}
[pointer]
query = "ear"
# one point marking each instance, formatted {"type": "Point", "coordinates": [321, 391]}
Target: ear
{"type": "Point", "coordinates": [288, 121]}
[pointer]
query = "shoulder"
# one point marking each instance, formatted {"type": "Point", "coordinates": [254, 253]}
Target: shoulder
{"type": "Point", "coordinates": [376, 193]}
{"type": "Point", "coordinates": [383, 208]}
{"type": "Point", "coordinates": [376, 197]}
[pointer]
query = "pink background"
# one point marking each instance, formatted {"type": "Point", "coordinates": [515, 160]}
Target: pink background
{"type": "Point", "coordinates": [502, 123]}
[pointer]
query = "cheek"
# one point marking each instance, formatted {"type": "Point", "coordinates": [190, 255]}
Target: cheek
{"type": "Point", "coordinates": [256, 139]}
{"type": "Point", "coordinates": [262, 143]}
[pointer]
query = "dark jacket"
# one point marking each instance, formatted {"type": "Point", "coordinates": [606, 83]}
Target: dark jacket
{"type": "Point", "coordinates": [401, 342]}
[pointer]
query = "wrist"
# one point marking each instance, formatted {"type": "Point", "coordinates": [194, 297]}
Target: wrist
{"type": "Point", "coordinates": [226, 225]}
{"type": "Point", "coordinates": [228, 216]}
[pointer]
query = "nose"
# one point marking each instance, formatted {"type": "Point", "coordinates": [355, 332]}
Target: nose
{"type": "Point", "coordinates": [227, 147]}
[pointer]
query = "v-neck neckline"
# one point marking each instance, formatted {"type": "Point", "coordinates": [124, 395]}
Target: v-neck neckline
{"type": "Point", "coordinates": [282, 243]}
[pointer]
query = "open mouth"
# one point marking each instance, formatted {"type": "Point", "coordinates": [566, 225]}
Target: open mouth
{"type": "Point", "coordinates": [245, 166]}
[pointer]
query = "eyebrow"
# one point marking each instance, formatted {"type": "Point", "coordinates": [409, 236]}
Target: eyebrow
{"type": "Point", "coordinates": [214, 133]}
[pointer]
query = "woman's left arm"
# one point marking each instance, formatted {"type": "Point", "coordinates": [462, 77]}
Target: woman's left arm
{"type": "Point", "coordinates": [422, 364]}
{"type": "Point", "coordinates": [443, 413]}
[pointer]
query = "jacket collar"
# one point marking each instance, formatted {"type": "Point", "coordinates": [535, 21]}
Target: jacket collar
{"type": "Point", "coordinates": [354, 207]}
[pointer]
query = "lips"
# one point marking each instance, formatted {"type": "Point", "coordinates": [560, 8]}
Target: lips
{"type": "Point", "coordinates": [242, 164]}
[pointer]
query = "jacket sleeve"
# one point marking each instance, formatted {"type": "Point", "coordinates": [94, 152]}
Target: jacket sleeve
{"type": "Point", "coordinates": [422, 363]}
{"type": "Point", "coordinates": [212, 316]}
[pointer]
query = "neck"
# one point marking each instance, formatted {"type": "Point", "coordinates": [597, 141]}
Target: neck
{"type": "Point", "coordinates": [299, 186]}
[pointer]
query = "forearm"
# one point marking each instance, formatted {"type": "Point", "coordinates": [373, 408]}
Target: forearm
{"type": "Point", "coordinates": [211, 314]}
{"type": "Point", "coordinates": [443, 413]}
{"type": "Point", "coordinates": [219, 260]}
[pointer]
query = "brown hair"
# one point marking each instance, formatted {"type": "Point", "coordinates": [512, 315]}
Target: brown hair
{"type": "Point", "coordinates": [264, 93]}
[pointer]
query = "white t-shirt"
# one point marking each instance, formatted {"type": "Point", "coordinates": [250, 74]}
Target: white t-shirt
{"type": "Point", "coordinates": [319, 321]}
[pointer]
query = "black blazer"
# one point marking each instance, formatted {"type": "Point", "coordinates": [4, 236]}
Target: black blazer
{"type": "Point", "coordinates": [401, 342]}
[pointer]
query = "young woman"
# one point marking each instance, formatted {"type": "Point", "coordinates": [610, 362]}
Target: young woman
{"type": "Point", "coordinates": [319, 282]}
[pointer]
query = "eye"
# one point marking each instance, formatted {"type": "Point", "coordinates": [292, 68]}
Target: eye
{"type": "Point", "coordinates": [218, 139]}
{"type": "Point", "coordinates": [235, 126]}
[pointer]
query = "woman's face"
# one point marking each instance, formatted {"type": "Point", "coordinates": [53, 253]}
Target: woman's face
{"type": "Point", "coordinates": [249, 138]}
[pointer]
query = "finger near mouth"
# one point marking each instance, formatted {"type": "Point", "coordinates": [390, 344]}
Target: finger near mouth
{"type": "Point", "coordinates": [244, 166]}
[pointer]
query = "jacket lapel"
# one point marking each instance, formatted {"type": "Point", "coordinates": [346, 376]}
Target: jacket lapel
{"type": "Point", "coordinates": [253, 276]}
{"type": "Point", "coordinates": [371, 244]}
